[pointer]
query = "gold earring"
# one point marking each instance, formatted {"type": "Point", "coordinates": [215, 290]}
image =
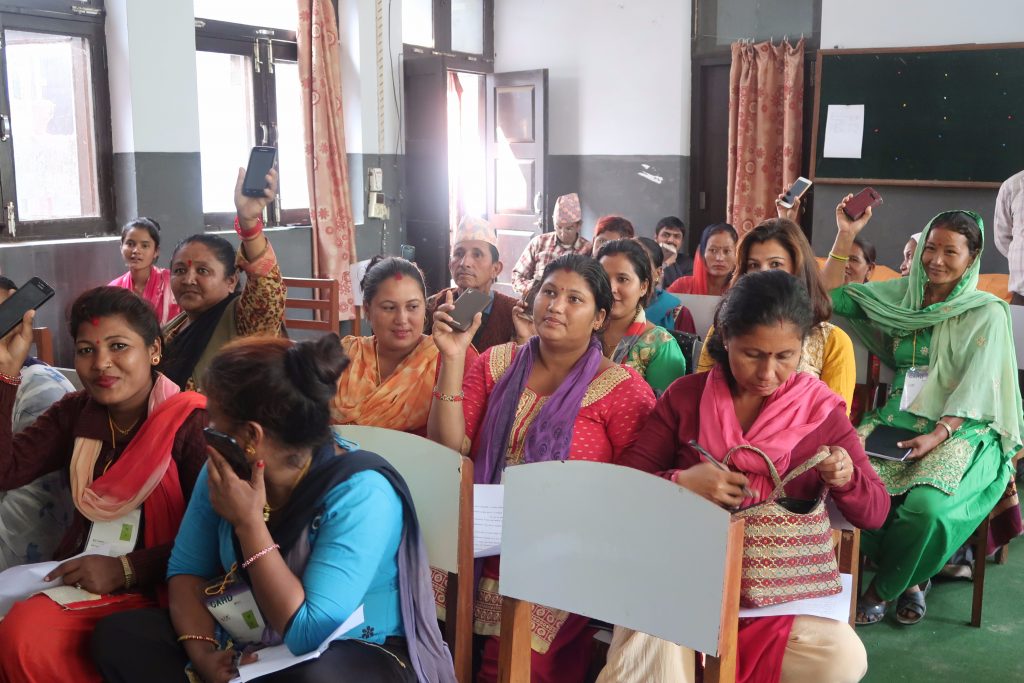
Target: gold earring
{"type": "Point", "coordinates": [156, 360]}
{"type": "Point", "coordinates": [250, 451]}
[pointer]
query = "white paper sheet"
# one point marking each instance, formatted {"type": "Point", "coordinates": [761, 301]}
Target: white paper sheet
{"type": "Point", "coordinates": [844, 131]}
{"type": "Point", "coordinates": [276, 658]}
{"type": "Point", "coordinates": [22, 581]}
{"type": "Point", "coordinates": [488, 512]}
{"type": "Point", "coordinates": [835, 607]}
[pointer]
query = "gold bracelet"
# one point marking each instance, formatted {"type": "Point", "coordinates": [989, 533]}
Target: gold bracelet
{"type": "Point", "coordinates": [205, 639]}
{"type": "Point", "coordinates": [949, 430]}
{"type": "Point", "coordinates": [837, 257]}
{"type": "Point", "coordinates": [129, 575]}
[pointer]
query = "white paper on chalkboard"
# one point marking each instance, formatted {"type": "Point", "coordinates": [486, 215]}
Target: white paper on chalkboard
{"type": "Point", "coordinates": [844, 131]}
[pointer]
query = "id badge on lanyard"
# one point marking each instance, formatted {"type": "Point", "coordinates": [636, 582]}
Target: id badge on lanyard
{"type": "Point", "coordinates": [233, 605]}
{"type": "Point", "coordinates": [120, 534]}
{"type": "Point", "coordinates": [914, 381]}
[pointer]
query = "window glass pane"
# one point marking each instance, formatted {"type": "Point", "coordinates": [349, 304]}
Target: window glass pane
{"type": "Point", "coordinates": [282, 14]}
{"type": "Point", "coordinates": [225, 125]}
{"type": "Point", "coordinates": [291, 141]}
{"type": "Point", "coordinates": [52, 125]}
{"type": "Point", "coordinates": [723, 22]}
{"type": "Point", "coordinates": [418, 22]}
{"type": "Point", "coordinates": [468, 26]}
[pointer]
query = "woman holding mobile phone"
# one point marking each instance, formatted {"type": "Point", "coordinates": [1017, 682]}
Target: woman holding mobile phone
{"type": "Point", "coordinates": [132, 445]}
{"type": "Point", "coordinates": [555, 398]}
{"type": "Point", "coordinates": [315, 533]}
{"type": "Point", "coordinates": [955, 387]}
{"type": "Point", "coordinates": [204, 279]}
{"type": "Point", "coordinates": [391, 376]}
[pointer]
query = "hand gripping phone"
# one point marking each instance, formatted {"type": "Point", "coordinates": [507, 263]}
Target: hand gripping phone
{"type": "Point", "coordinates": [28, 297]}
{"type": "Point", "coordinates": [466, 307]}
{"type": "Point", "coordinates": [230, 451]}
{"type": "Point", "coordinates": [860, 202]}
{"type": "Point", "coordinates": [261, 160]}
{"type": "Point", "coordinates": [795, 192]}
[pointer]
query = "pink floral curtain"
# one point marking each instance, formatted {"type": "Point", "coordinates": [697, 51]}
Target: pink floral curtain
{"type": "Point", "coordinates": [766, 104]}
{"type": "Point", "coordinates": [326, 168]}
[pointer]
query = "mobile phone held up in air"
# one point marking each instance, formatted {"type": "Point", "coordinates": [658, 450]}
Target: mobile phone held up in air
{"type": "Point", "coordinates": [230, 451]}
{"type": "Point", "coordinates": [261, 160]}
{"type": "Point", "coordinates": [466, 307]}
{"type": "Point", "coordinates": [795, 192]}
{"type": "Point", "coordinates": [28, 297]}
{"type": "Point", "coordinates": [860, 202]}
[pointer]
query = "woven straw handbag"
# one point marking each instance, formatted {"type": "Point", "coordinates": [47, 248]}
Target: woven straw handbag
{"type": "Point", "coordinates": [787, 543]}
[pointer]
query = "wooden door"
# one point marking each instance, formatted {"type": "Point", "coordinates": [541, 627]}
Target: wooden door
{"type": "Point", "coordinates": [517, 202]}
{"type": "Point", "coordinates": [710, 148]}
{"type": "Point", "coordinates": [425, 205]}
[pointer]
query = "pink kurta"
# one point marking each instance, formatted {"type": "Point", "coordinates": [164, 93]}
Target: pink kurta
{"type": "Point", "coordinates": [157, 293]}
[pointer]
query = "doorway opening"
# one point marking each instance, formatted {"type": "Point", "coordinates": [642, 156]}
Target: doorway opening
{"type": "Point", "coordinates": [467, 148]}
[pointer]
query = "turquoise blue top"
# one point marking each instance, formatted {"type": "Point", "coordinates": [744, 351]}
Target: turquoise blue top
{"type": "Point", "coordinates": [353, 559]}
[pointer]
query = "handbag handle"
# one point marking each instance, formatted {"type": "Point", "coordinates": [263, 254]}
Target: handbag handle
{"type": "Point", "coordinates": [780, 484]}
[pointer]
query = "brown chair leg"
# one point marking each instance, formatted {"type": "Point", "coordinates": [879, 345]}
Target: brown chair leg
{"type": "Point", "coordinates": [980, 548]}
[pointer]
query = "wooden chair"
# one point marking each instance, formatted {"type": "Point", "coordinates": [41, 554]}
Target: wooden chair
{"type": "Point", "coordinates": [688, 593]}
{"type": "Point", "coordinates": [326, 317]}
{"type": "Point", "coordinates": [42, 339]}
{"type": "Point", "coordinates": [441, 483]}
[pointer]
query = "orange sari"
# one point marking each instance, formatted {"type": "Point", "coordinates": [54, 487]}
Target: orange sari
{"type": "Point", "coordinates": [401, 401]}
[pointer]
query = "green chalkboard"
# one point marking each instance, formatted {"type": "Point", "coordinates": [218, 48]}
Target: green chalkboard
{"type": "Point", "coordinates": [945, 116]}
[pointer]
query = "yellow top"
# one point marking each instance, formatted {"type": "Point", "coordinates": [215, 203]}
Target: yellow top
{"type": "Point", "coordinates": [827, 354]}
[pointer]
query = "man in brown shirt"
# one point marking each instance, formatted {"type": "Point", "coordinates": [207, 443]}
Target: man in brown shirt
{"type": "Point", "coordinates": [475, 264]}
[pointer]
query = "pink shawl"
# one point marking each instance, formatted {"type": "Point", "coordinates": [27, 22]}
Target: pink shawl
{"type": "Point", "coordinates": [795, 410]}
{"type": "Point", "coordinates": [157, 293]}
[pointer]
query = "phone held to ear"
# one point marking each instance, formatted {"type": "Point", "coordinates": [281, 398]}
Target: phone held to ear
{"type": "Point", "coordinates": [261, 160]}
{"type": "Point", "coordinates": [230, 451]}
{"type": "Point", "coordinates": [466, 307]}
{"type": "Point", "coordinates": [797, 190]}
{"type": "Point", "coordinates": [28, 297]}
{"type": "Point", "coordinates": [860, 202]}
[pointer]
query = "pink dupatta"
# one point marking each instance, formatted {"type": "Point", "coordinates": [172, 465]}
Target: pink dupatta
{"type": "Point", "coordinates": [796, 409]}
{"type": "Point", "coordinates": [157, 293]}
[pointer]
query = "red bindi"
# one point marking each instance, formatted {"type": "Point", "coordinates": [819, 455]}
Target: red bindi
{"type": "Point", "coordinates": [398, 276]}
{"type": "Point", "coordinates": [190, 263]}
{"type": "Point", "coordinates": [95, 321]}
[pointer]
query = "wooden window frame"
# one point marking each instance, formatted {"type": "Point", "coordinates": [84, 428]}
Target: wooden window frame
{"type": "Point", "coordinates": [441, 14]}
{"type": "Point", "coordinates": [85, 19]}
{"type": "Point", "coordinates": [246, 40]}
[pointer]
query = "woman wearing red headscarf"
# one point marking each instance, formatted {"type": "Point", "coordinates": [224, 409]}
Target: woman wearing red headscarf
{"type": "Point", "coordinates": [713, 265]}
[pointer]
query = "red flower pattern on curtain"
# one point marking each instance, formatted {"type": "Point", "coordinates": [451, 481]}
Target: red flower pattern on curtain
{"type": "Point", "coordinates": [766, 104]}
{"type": "Point", "coordinates": [326, 166]}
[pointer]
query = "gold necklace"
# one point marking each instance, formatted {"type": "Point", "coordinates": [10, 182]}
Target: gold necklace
{"type": "Point", "coordinates": [305, 470]}
{"type": "Point", "coordinates": [115, 429]}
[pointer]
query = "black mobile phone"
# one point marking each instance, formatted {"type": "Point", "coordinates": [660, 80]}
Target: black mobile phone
{"type": "Point", "coordinates": [468, 305]}
{"type": "Point", "coordinates": [261, 160]}
{"type": "Point", "coordinates": [29, 296]}
{"type": "Point", "coordinates": [795, 192]}
{"type": "Point", "coordinates": [230, 450]}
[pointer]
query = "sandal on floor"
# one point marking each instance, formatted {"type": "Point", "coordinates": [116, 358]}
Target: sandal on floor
{"type": "Point", "coordinates": [870, 612]}
{"type": "Point", "coordinates": [914, 603]}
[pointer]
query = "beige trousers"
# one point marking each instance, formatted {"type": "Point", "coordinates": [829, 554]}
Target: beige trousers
{"type": "Point", "coordinates": [819, 651]}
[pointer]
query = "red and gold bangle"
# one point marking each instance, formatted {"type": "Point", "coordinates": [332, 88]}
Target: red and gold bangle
{"type": "Point", "coordinates": [192, 636]}
{"type": "Point", "coordinates": [13, 380]}
{"type": "Point", "coordinates": [252, 232]}
{"type": "Point", "coordinates": [265, 551]}
{"type": "Point", "coordinates": [448, 398]}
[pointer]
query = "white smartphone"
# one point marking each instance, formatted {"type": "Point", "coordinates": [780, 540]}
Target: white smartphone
{"type": "Point", "coordinates": [795, 192]}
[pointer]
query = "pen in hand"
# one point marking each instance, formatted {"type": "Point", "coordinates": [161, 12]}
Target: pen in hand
{"type": "Point", "coordinates": [747, 493]}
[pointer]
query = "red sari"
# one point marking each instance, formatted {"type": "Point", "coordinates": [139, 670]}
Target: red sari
{"type": "Point", "coordinates": [661, 448]}
{"type": "Point", "coordinates": [616, 405]}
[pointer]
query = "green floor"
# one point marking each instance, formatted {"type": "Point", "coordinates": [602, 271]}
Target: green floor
{"type": "Point", "coordinates": [944, 647]}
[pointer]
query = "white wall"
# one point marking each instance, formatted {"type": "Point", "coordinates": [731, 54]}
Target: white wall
{"type": "Point", "coordinates": [910, 23]}
{"type": "Point", "coordinates": [618, 70]}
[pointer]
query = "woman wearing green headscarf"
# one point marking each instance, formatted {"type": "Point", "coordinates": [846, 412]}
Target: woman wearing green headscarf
{"type": "Point", "coordinates": [955, 387]}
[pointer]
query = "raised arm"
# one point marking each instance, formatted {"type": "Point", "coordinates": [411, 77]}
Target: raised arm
{"type": "Point", "coordinates": [834, 272]}
{"type": "Point", "coordinates": [261, 307]}
{"type": "Point", "coordinates": [447, 423]}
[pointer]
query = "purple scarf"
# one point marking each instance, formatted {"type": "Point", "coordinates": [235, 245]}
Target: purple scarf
{"type": "Point", "coordinates": [550, 435]}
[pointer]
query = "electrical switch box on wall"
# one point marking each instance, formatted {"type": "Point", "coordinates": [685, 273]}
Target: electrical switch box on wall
{"type": "Point", "coordinates": [377, 207]}
{"type": "Point", "coordinates": [375, 180]}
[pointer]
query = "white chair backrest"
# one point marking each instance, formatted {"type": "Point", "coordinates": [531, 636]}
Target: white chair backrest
{"type": "Point", "coordinates": [702, 308]}
{"type": "Point", "coordinates": [433, 474]}
{"type": "Point", "coordinates": [616, 544]}
{"type": "Point", "coordinates": [1017, 324]}
{"type": "Point", "coordinates": [73, 377]}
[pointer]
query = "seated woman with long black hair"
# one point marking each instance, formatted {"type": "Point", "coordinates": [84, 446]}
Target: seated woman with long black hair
{"type": "Point", "coordinates": [313, 534]}
{"type": "Point", "coordinates": [204, 279]}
